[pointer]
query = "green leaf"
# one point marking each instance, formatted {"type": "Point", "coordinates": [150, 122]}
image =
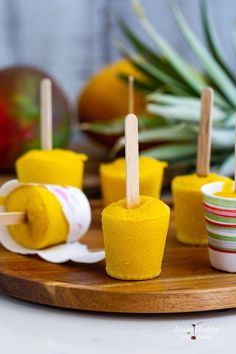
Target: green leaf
{"type": "Point", "coordinates": [113, 127]}
{"type": "Point", "coordinates": [171, 152]}
{"type": "Point", "coordinates": [181, 112]}
{"type": "Point", "coordinates": [116, 125]}
{"type": "Point", "coordinates": [223, 138]}
{"type": "Point", "coordinates": [154, 73]}
{"type": "Point", "coordinates": [193, 103]}
{"type": "Point", "coordinates": [146, 52]}
{"type": "Point", "coordinates": [214, 70]}
{"type": "Point", "coordinates": [181, 66]}
{"type": "Point", "coordinates": [213, 40]}
{"type": "Point", "coordinates": [144, 87]}
{"type": "Point", "coordinates": [163, 98]}
{"type": "Point", "coordinates": [162, 134]}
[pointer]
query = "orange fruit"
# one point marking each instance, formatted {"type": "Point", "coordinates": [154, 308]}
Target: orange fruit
{"type": "Point", "coordinates": [105, 95]}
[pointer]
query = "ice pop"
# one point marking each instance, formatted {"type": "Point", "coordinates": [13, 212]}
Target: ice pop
{"type": "Point", "coordinates": [134, 228]}
{"type": "Point", "coordinates": [50, 166]}
{"type": "Point", "coordinates": [112, 177]}
{"type": "Point", "coordinates": [188, 206]}
{"type": "Point", "coordinates": [188, 200]}
{"type": "Point", "coordinates": [52, 215]}
{"type": "Point", "coordinates": [135, 238]}
{"type": "Point", "coordinates": [55, 166]}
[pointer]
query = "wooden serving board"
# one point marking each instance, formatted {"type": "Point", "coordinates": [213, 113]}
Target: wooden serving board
{"type": "Point", "coordinates": [187, 282]}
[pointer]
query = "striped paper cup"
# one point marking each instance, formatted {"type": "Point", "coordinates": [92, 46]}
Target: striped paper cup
{"type": "Point", "coordinates": [220, 215]}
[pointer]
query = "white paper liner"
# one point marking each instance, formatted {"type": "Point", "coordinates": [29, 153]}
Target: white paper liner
{"type": "Point", "coordinates": [77, 211]}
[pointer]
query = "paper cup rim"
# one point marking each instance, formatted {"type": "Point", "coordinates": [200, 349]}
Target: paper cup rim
{"type": "Point", "coordinates": [218, 188]}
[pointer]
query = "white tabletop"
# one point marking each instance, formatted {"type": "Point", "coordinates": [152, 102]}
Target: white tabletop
{"type": "Point", "coordinates": [32, 329]}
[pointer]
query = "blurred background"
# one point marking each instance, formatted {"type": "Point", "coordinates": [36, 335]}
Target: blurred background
{"type": "Point", "coordinates": [71, 39]}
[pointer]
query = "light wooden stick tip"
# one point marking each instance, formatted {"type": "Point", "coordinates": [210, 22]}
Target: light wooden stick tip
{"type": "Point", "coordinates": [131, 94]}
{"type": "Point", "coordinates": [132, 161]}
{"type": "Point", "coordinates": [204, 137]}
{"type": "Point", "coordinates": [46, 113]}
{"type": "Point", "coordinates": [12, 218]}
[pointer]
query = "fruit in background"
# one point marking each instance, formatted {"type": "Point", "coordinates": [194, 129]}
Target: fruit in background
{"type": "Point", "coordinates": [19, 113]}
{"type": "Point", "coordinates": [105, 96]}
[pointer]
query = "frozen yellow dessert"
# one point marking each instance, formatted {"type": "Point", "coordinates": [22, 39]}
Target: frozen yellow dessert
{"type": "Point", "coordinates": [227, 190]}
{"type": "Point", "coordinates": [45, 224]}
{"type": "Point", "coordinates": [112, 177]}
{"type": "Point", "coordinates": [57, 166]}
{"type": "Point", "coordinates": [135, 238]}
{"type": "Point", "coordinates": [188, 205]}
{"type": "Point", "coordinates": [51, 214]}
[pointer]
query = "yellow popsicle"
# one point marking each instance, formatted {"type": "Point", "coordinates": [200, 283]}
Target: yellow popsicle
{"type": "Point", "coordinates": [227, 190]}
{"type": "Point", "coordinates": [57, 166]}
{"type": "Point", "coordinates": [188, 206]}
{"type": "Point", "coordinates": [135, 238]}
{"type": "Point", "coordinates": [46, 224]}
{"type": "Point", "coordinates": [112, 178]}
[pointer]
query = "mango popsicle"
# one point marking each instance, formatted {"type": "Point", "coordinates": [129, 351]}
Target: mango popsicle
{"type": "Point", "coordinates": [187, 196]}
{"type": "Point", "coordinates": [188, 205]}
{"type": "Point", "coordinates": [55, 166]}
{"type": "Point", "coordinates": [112, 177]}
{"type": "Point", "coordinates": [50, 166]}
{"type": "Point", "coordinates": [134, 228]}
{"type": "Point", "coordinates": [135, 238]}
{"type": "Point", "coordinates": [53, 214]}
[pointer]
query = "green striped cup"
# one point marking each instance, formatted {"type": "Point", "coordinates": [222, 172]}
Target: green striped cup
{"type": "Point", "coordinates": [220, 215]}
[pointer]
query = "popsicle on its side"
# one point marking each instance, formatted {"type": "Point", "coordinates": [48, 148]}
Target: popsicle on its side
{"type": "Point", "coordinates": [40, 216]}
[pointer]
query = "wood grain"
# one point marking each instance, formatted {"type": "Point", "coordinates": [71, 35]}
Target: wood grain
{"type": "Point", "coordinates": [132, 161]}
{"type": "Point", "coordinates": [12, 218]}
{"type": "Point", "coordinates": [46, 114]}
{"type": "Point", "coordinates": [187, 282]}
{"type": "Point", "coordinates": [204, 136]}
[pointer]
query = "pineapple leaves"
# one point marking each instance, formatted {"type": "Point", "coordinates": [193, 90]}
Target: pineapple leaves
{"type": "Point", "coordinates": [171, 152]}
{"type": "Point", "coordinates": [116, 126]}
{"type": "Point", "coordinates": [212, 39]}
{"type": "Point", "coordinates": [154, 73]}
{"type": "Point", "coordinates": [162, 134]}
{"type": "Point", "coordinates": [214, 70]}
{"type": "Point", "coordinates": [188, 75]}
{"type": "Point", "coordinates": [185, 108]}
{"type": "Point", "coordinates": [147, 53]}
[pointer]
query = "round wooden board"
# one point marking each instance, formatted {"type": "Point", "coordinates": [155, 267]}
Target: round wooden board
{"type": "Point", "coordinates": [187, 282]}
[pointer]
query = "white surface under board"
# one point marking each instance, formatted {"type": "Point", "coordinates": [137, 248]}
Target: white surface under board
{"type": "Point", "coordinates": [32, 329]}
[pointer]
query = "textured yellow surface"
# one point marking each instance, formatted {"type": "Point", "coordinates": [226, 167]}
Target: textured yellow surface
{"type": "Point", "coordinates": [227, 190]}
{"type": "Point", "coordinates": [112, 177]}
{"type": "Point", "coordinates": [56, 166]}
{"type": "Point", "coordinates": [135, 238]}
{"type": "Point", "coordinates": [188, 205]}
{"type": "Point", "coordinates": [46, 224]}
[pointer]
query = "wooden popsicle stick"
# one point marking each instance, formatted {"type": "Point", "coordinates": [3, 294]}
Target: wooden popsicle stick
{"type": "Point", "coordinates": [132, 161]}
{"type": "Point", "coordinates": [12, 218]}
{"type": "Point", "coordinates": [131, 94]}
{"type": "Point", "coordinates": [46, 114]}
{"type": "Point", "coordinates": [204, 136]}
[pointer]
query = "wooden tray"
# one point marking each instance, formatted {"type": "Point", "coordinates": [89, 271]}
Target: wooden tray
{"type": "Point", "coordinates": [187, 282]}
